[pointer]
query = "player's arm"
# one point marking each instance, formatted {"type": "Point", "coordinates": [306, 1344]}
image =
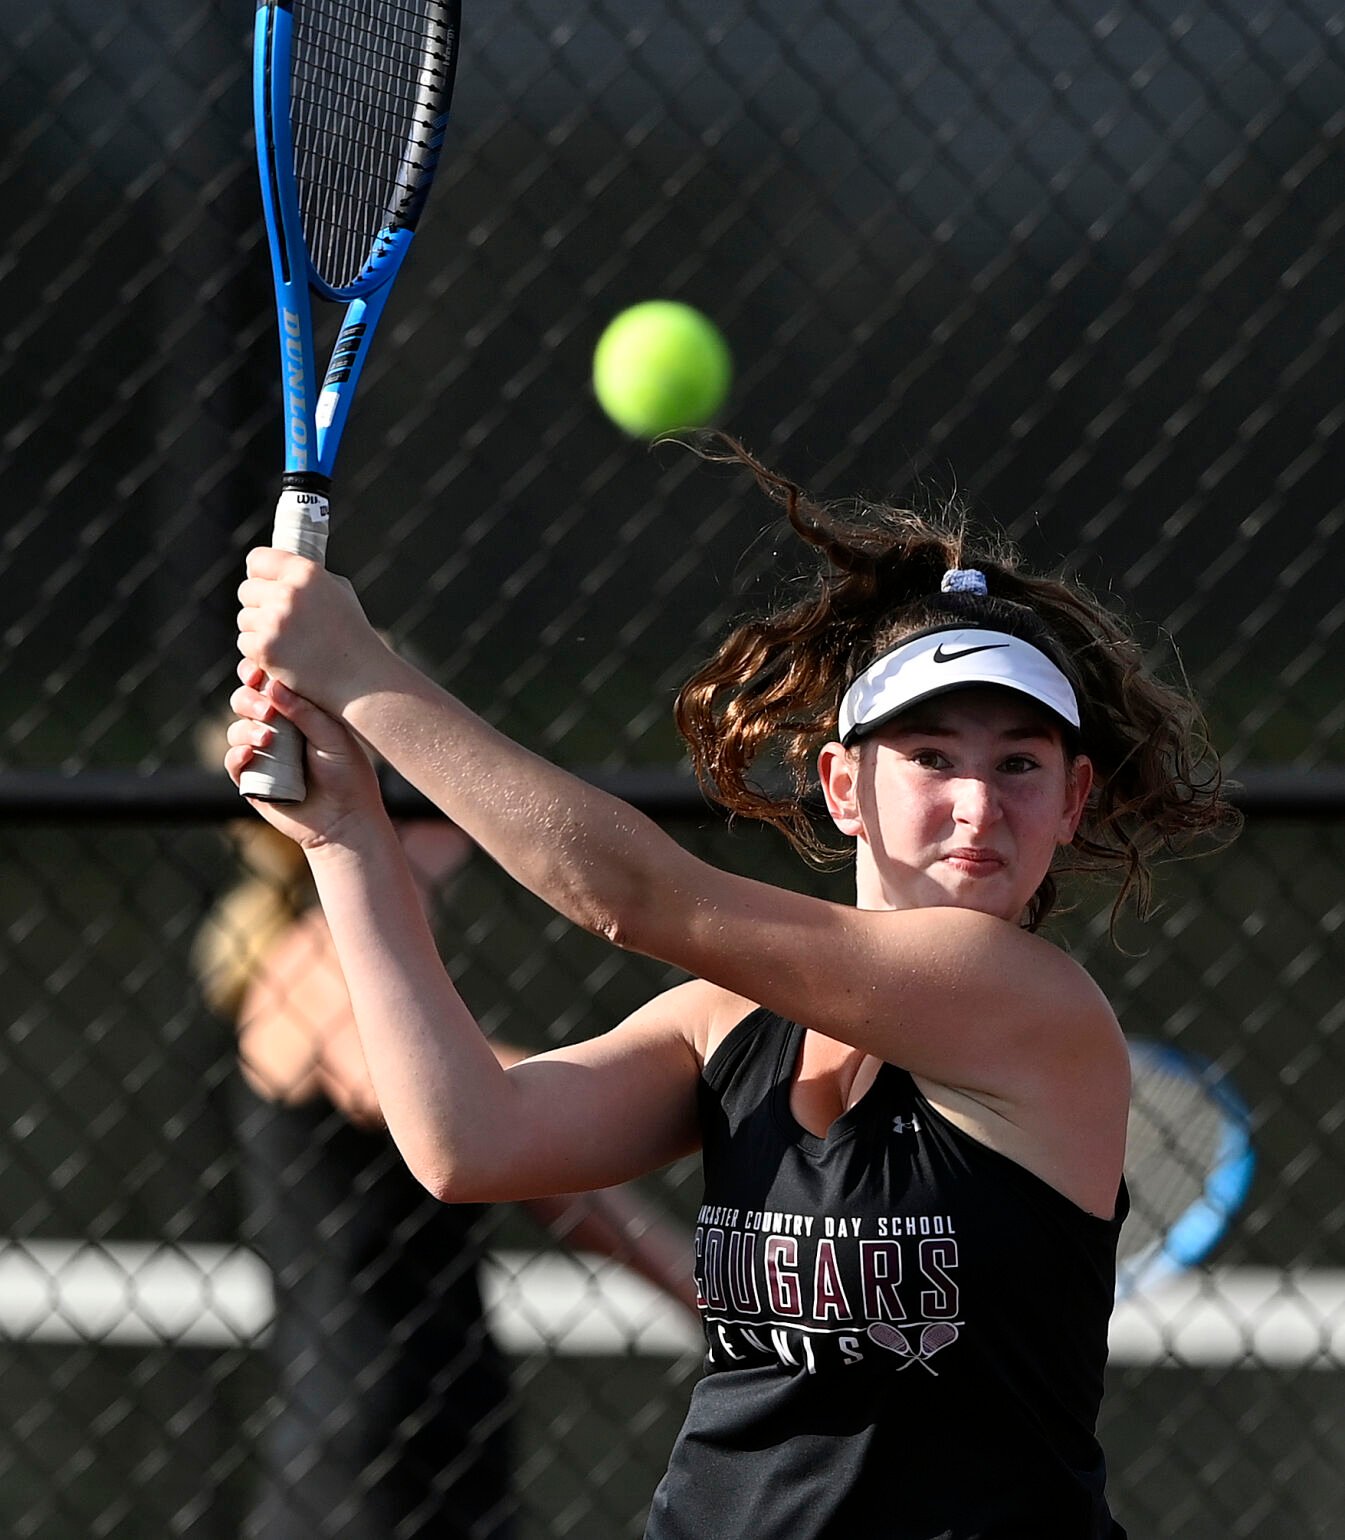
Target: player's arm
{"type": "Point", "coordinates": [574, 1119]}
{"type": "Point", "coordinates": [298, 1039]}
{"type": "Point", "coordinates": [961, 998]}
{"type": "Point", "coordinates": [470, 1130]}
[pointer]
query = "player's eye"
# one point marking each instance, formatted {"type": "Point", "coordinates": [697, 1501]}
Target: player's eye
{"type": "Point", "coordinates": [930, 759]}
{"type": "Point", "coordinates": [1019, 764]}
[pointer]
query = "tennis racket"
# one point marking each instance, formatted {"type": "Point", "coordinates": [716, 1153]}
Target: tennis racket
{"type": "Point", "coordinates": [1189, 1163]}
{"type": "Point", "coordinates": [350, 100]}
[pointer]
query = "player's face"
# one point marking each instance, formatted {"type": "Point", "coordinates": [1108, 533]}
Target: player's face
{"type": "Point", "coordinates": [960, 801]}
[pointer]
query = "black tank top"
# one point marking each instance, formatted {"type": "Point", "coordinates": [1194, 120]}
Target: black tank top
{"type": "Point", "coordinates": [391, 1410]}
{"type": "Point", "coordinates": [906, 1331]}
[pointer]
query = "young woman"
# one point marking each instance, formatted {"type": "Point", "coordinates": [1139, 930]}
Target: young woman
{"type": "Point", "coordinates": [912, 1111]}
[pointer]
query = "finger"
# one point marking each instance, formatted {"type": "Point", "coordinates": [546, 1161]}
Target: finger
{"type": "Point", "coordinates": [253, 592]}
{"type": "Point", "coordinates": [252, 676]}
{"type": "Point", "coordinates": [237, 760]}
{"type": "Point", "coordinates": [266, 561]}
{"type": "Point", "coordinates": [321, 732]}
{"type": "Point", "coordinates": [251, 735]}
{"type": "Point", "coordinates": [254, 639]}
{"type": "Point", "coordinates": [249, 701]}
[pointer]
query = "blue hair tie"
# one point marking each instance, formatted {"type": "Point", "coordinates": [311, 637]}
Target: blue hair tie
{"type": "Point", "coordinates": [964, 580]}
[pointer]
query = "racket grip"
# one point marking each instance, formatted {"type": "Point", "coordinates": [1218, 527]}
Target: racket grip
{"type": "Point", "coordinates": [277, 774]}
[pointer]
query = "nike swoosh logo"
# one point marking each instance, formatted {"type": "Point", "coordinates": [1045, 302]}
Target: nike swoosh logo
{"type": "Point", "coordinates": [940, 656]}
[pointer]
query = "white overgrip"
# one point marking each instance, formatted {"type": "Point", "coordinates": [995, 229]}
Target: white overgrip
{"type": "Point", "coordinates": [277, 774]}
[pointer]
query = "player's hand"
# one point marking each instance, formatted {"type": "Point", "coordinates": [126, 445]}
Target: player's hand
{"type": "Point", "coordinates": [343, 790]}
{"type": "Point", "coordinates": [304, 626]}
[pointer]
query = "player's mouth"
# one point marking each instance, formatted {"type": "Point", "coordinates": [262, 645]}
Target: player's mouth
{"type": "Point", "coordinates": [973, 862]}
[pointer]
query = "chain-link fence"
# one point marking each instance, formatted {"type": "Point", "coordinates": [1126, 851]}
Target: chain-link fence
{"type": "Point", "coordinates": [1080, 261]}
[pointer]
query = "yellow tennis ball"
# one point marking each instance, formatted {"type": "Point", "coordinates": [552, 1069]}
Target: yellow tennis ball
{"type": "Point", "coordinates": [661, 366]}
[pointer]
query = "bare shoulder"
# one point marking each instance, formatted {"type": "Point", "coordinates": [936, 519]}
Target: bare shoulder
{"type": "Point", "coordinates": [298, 980]}
{"type": "Point", "coordinates": [1057, 1007]}
{"type": "Point", "coordinates": [1078, 1019]}
{"type": "Point", "coordinates": [964, 954]}
{"type": "Point", "coordinates": [1058, 1103]}
{"type": "Point", "coordinates": [943, 991]}
{"type": "Point", "coordinates": [1071, 990]}
{"type": "Point", "coordinates": [293, 1008]}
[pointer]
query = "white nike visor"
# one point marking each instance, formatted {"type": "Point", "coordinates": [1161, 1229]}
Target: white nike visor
{"type": "Point", "coordinates": [951, 658]}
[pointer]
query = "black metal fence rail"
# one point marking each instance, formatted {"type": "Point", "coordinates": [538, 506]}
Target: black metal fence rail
{"type": "Point", "coordinates": [198, 796]}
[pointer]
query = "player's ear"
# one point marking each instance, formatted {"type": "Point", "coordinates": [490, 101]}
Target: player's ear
{"type": "Point", "coordinates": [838, 771]}
{"type": "Point", "coordinates": [1078, 785]}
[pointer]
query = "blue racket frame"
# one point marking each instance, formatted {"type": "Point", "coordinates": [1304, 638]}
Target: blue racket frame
{"type": "Point", "coordinates": [314, 420]}
{"type": "Point", "coordinates": [1195, 1232]}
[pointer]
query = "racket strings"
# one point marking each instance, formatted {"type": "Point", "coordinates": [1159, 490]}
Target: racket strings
{"type": "Point", "coordinates": [1175, 1141]}
{"type": "Point", "coordinates": [369, 81]}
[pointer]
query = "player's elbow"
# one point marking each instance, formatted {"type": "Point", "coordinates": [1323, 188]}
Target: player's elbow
{"type": "Point", "coordinates": [632, 914]}
{"type": "Point", "coordinates": [611, 916]}
{"type": "Point", "coordinates": [439, 1183]}
{"type": "Point", "coordinates": [445, 1168]}
{"type": "Point", "coordinates": [615, 928]}
{"type": "Point", "coordinates": [451, 1181]}
{"type": "Point", "coordinates": [469, 1148]}
{"type": "Point", "coordinates": [459, 1175]}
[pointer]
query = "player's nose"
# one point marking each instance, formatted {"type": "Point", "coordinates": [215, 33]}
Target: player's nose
{"type": "Point", "coordinates": [975, 802]}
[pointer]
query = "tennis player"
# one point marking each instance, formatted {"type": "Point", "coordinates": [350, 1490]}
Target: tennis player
{"type": "Point", "coordinates": [911, 1110]}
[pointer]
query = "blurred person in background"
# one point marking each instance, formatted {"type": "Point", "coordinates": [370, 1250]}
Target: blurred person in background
{"type": "Point", "coordinates": [391, 1413]}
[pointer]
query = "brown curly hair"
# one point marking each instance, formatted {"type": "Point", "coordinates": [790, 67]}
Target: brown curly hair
{"type": "Point", "coordinates": [770, 694]}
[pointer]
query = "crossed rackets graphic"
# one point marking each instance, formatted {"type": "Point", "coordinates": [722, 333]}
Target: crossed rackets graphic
{"type": "Point", "coordinates": [933, 1337]}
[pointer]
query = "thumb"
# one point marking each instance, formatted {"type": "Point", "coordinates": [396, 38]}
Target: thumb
{"type": "Point", "coordinates": [321, 731]}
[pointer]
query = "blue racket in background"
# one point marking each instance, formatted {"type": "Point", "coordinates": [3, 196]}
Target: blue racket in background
{"type": "Point", "coordinates": [350, 100]}
{"type": "Point", "coordinates": [1189, 1163]}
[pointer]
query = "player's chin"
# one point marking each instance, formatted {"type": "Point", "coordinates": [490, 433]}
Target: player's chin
{"type": "Point", "coordinates": [997, 893]}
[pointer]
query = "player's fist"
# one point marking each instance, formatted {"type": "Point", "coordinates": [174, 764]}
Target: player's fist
{"type": "Point", "coordinates": [304, 626]}
{"type": "Point", "coordinates": [342, 789]}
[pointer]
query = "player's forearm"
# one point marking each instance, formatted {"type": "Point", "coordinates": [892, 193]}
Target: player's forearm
{"type": "Point", "coordinates": [444, 1096]}
{"type": "Point", "coordinates": [592, 857]}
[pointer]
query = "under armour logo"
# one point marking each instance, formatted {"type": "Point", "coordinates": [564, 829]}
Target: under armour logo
{"type": "Point", "coordinates": [905, 1126]}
